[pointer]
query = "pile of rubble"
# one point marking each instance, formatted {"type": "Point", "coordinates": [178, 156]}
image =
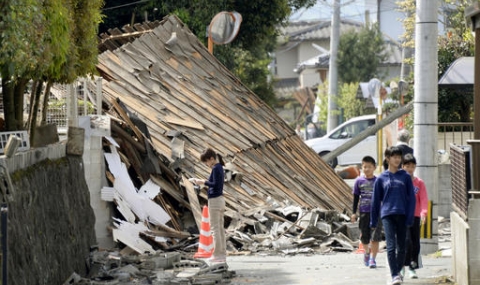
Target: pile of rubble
{"type": "Point", "coordinates": [279, 231]}
{"type": "Point", "coordinates": [164, 108]}
{"type": "Point", "coordinates": [159, 268]}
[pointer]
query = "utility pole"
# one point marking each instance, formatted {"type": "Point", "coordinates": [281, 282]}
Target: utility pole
{"type": "Point", "coordinates": [332, 66]}
{"type": "Point", "coordinates": [426, 108]}
{"type": "Point", "coordinates": [333, 70]}
{"type": "Point", "coordinates": [473, 13]}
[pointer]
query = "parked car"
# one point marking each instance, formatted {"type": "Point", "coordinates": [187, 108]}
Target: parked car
{"type": "Point", "coordinates": [341, 135]}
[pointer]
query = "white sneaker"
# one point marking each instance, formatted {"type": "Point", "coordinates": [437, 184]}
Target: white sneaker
{"type": "Point", "coordinates": [217, 259]}
{"type": "Point", "coordinates": [396, 280]}
{"type": "Point", "coordinates": [412, 274]}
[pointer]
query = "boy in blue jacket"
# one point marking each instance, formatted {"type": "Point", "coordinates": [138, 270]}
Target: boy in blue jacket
{"type": "Point", "coordinates": [394, 202]}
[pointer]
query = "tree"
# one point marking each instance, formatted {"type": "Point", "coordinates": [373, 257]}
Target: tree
{"type": "Point", "coordinates": [360, 54]}
{"type": "Point", "coordinates": [349, 103]}
{"type": "Point", "coordinates": [52, 41]}
{"type": "Point", "coordinates": [454, 105]}
{"type": "Point", "coordinates": [248, 55]}
{"type": "Point", "coordinates": [322, 104]}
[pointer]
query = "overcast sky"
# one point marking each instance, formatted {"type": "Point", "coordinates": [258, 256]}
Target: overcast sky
{"type": "Point", "coordinates": [323, 11]}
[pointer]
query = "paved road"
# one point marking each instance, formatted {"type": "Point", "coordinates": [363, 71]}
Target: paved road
{"type": "Point", "coordinates": [327, 269]}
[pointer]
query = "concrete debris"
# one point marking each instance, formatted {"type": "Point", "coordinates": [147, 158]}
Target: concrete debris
{"type": "Point", "coordinates": [159, 268]}
{"type": "Point", "coordinates": [154, 265]}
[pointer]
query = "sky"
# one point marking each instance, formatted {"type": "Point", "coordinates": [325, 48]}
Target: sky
{"type": "Point", "coordinates": [323, 11]}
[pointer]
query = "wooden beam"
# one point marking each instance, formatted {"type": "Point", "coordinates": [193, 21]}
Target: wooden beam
{"type": "Point", "coordinates": [126, 118]}
{"type": "Point", "coordinates": [194, 203]}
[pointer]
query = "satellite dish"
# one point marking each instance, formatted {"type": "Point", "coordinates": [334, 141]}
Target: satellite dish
{"type": "Point", "coordinates": [224, 27]}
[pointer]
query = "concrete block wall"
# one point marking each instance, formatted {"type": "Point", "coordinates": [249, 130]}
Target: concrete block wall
{"type": "Point", "coordinates": [428, 246]}
{"type": "Point", "coordinates": [441, 207]}
{"type": "Point", "coordinates": [95, 177]}
{"type": "Point", "coordinates": [460, 252]}
{"type": "Point", "coordinates": [444, 190]}
{"type": "Point", "coordinates": [25, 159]}
{"type": "Point", "coordinates": [474, 241]}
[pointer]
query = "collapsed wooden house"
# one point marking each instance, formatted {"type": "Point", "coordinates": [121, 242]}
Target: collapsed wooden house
{"type": "Point", "coordinates": [172, 99]}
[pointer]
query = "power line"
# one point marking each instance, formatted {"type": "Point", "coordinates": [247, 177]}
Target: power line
{"type": "Point", "coordinates": [124, 5]}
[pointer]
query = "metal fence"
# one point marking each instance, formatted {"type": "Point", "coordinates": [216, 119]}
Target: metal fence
{"type": "Point", "coordinates": [454, 133]}
{"type": "Point", "coordinates": [57, 111]}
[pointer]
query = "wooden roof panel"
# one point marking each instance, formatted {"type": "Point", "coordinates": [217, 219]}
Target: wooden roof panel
{"type": "Point", "coordinates": [181, 86]}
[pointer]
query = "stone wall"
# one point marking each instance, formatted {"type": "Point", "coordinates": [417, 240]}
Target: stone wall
{"type": "Point", "coordinates": [50, 220]}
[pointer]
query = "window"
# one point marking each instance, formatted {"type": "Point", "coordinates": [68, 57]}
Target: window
{"type": "Point", "coordinates": [352, 129]}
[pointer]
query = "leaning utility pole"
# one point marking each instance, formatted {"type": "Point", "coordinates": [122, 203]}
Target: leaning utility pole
{"type": "Point", "coordinates": [332, 68]}
{"type": "Point", "coordinates": [368, 132]}
{"type": "Point", "coordinates": [426, 108]}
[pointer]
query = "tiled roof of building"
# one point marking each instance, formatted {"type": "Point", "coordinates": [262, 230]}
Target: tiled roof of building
{"type": "Point", "coordinates": [315, 30]}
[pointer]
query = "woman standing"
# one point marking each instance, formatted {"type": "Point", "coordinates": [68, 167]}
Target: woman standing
{"type": "Point", "coordinates": [216, 202]}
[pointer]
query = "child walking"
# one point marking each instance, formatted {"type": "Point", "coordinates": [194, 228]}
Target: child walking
{"type": "Point", "coordinates": [362, 193]}
{"type": "Point", "coordinates": [421, 208]}
{"type": "Point", "coordinates": [394, 202]}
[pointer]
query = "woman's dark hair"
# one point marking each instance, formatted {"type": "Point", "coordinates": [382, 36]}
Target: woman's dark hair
{"type": "Point", "coordinates": [393, 150]}
{"type": "Point", "coordinates": [209, 153]}
{"type": "Point", "coordinates": [409, 158]}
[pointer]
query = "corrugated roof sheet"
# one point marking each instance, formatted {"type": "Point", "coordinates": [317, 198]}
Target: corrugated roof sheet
{"type": "Point", "coordinates": [171, 82]}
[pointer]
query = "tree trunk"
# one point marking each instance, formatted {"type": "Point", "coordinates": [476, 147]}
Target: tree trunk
{"type": "Point", "coordinates": [32, 99]}
{"type": "Point", "coordinates": [8, 107]}
{"type": "Point", "coordinates": [34, 111]}
{"type": "Point", "coordinates": [18, 96]}
{"type": "Point", "coordinates": [45, 102]}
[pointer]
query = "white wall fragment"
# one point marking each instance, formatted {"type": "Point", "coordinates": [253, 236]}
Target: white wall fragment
{"type": "Point", "coordinates": [129, 234]}
{"type": "Point", "coordinates": [107, 193]}
{"type": "Point", "coordinates": [149, 189]}
{"type": "Point", "coordinates": [140, 202]}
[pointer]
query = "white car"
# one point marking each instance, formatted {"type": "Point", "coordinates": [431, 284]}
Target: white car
{"type": "Point", "coordinates": [344, 133]}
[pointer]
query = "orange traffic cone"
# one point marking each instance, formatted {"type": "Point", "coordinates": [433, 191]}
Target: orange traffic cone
{"type": "Point", "coordinates": [205, 246]}
{"type": "Point", "coordinates": [360, 248]}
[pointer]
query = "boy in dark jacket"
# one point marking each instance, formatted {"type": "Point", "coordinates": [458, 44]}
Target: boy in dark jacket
{"type": "Point", "coordinates": [394, 202]}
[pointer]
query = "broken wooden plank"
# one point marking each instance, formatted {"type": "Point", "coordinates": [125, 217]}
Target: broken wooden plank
{"type": "Point", "coordinates": [170, 189]}
{"type": "Point", "coordinates": [126, 118]}
{"type": "Point", "coordinates": [119, 131]}
{"type": "Point", "coordinates": [194, 203]}
{"type": "Point", "coordinates": [183, 122]}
